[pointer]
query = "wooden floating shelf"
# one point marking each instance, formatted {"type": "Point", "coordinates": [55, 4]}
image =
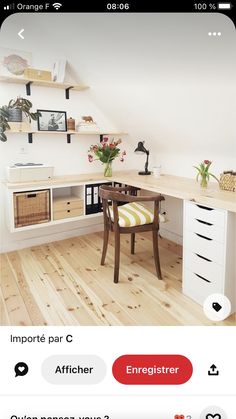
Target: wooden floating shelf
{"type": "Point", "coordinates": [45, 83]}
{"type": "Point", "coordinates": [67, 133]}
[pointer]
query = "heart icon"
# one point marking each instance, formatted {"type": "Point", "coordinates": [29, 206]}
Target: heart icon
{"type": "Point", "coordinates": [179, 417]}
{"type": "Point", "coordinates": [216, 416]}
{"type": "Point", "coordinates": [21, 369]}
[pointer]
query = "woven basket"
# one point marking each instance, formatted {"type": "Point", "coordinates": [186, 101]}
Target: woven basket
{"type": "Point", "coordinates": [228, 182]}
{"type": "Point", "coordinates": [31, 207]}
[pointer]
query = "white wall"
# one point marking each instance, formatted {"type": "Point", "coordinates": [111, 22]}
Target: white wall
{"type": "Point", "coordinates": [159, 77]}
{"type": "Point", "coordinates": [54, 150]}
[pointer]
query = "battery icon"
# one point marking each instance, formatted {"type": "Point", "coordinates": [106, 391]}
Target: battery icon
{"type": "Point", "coordinates": [224, 6]}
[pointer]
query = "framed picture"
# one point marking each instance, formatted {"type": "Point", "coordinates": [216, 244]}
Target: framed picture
{"type": "Point", "coordinates": [52, 120]}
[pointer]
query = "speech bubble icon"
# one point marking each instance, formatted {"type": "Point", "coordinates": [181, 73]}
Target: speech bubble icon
{"type": "Point", "coordinates": [21, 369]}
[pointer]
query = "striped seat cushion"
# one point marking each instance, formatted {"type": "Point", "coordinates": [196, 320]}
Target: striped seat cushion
{"type": "Point", "coordinates": [133, 214]}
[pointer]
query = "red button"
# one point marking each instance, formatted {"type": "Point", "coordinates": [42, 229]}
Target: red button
{"type": "Point", "coordinates": [152, 369]}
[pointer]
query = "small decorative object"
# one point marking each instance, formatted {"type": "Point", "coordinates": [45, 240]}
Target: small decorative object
{"type": "Point", "coordinates": [228, 180]}
{"type": "Point", "coordinates": [13, 112]}
{"type": "Point", "coordinates": [52, 120]}
{"type": "Point", "coordinates": [203, 172]}
{"type": "Point", "coordinates": [87, 124]}
{"type": "Point", "coordinates": [106, 152]}
{"type": "Point", "coordinates": [14, 62]}
{"type": "Point", "coordinates": [156, 171]}
{"type": "Point", "coordinates": [142, 150]}
{"type": "Point", "coordinates": [88, 119]}
{"type": "Point", "coordinates": [71, 124]}
{"type": "Point", "coordinates": [34, 73]}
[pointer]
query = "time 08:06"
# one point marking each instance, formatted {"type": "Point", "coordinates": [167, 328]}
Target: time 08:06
{"type": "Point", "coordinates": [117, 6]}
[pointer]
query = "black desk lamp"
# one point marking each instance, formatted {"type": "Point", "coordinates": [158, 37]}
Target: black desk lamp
{"type": "Point", "coordinates": [140, 150]}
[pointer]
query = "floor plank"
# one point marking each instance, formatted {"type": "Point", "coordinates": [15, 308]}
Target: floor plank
{"type": "Point", "coordinates": [63, 283]}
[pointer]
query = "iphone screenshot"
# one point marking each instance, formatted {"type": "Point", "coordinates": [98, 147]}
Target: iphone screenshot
{"type": "Point", "coordinates": [117, 210]}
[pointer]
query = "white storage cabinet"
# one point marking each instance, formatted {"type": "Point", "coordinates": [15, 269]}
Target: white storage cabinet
{"type": "Point", "coordinates": [208, 252]}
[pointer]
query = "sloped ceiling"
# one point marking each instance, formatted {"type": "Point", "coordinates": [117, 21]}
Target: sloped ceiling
{"type": "Point", "coordinates": [159, 77]}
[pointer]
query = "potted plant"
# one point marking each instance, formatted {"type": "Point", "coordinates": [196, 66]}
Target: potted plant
{"type": "Point", "coordinates": [203, 172]}
{"type": "Point", "coordinates": [13, 112]}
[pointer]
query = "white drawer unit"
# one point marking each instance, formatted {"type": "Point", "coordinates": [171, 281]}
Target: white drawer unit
{"type": "Point", "coordinates": [208, 252]}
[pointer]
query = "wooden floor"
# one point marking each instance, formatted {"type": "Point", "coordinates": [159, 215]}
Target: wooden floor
{"type": "Point", "coordinates": [62, 283]}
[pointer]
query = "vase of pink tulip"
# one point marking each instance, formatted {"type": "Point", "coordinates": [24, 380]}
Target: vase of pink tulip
{"type": "Point", "coordinates": [203, 173]}
{"type": "Point", "coordinates": [106, 152]}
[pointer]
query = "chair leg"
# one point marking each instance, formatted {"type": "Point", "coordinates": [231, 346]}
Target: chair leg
{"type": "Point", "coordinates": [117, 257]}
{"type": "Point", "coordinates": [132, 243]}
{"type": "Point", "coordinates": [156, 253]}
{"type": "Point", "coordinates": [105, 244]}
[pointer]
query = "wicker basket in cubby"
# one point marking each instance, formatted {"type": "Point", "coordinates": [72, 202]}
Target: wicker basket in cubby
{"type": "Point", "coordinates": [31, 207]}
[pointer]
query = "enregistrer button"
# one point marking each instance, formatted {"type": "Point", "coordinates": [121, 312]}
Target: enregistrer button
{"type": "Point", "coordinates": [152, 369]}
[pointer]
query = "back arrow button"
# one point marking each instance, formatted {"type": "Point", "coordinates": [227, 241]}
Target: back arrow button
{"type": "Point", "coordinates": [20, 34]}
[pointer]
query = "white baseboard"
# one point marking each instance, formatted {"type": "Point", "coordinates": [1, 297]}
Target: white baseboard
{"type": "Point", "coordinates": [79, 231]}
{"type": "Point", "coordinates": [170, 235]}
{"type": "Point", "coordinates": [35, 241]}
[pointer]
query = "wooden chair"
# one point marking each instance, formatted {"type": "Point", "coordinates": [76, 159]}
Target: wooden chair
{"type": "Point", "coordinates": [132, 217]}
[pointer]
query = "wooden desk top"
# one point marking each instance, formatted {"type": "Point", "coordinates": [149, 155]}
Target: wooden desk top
{"type": "Point", "coordinates": [59, 181]}
{"type": "Point", "coordinates": [178, 187]}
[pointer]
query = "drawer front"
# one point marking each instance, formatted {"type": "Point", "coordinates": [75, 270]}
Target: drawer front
{"type": "Point", "coordinates": [204, 213]}
{"type": "Point", "coordinates": [67, 203]}
{"type": "Point", "coordinates": [205, 228]}
{"type": "Point", "coordinates": [204, 246]}
{"type": "Point", "coordinates": [209, 270]}
{"type": "Point", "coordinates": [197, 288]}
{"type": "Point", "coordinates": [76, 212]}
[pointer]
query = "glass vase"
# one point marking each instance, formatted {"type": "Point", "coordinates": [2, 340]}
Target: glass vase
{"type": "Point", "coordinates": [108, 169]}
{"type": "Point", "coordinates": [203, 182]}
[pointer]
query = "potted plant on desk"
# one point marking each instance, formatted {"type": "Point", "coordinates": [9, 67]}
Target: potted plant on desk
{"type": "Point", "coordinates": [203, 172]}
{"type": "Point", "coordinates": [13, 112]}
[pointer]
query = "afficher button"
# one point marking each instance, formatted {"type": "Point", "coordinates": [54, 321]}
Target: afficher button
{"type": "Point", "coordinates": [152, 369]}
{"type": "Point", "coordinates": [74, 369]}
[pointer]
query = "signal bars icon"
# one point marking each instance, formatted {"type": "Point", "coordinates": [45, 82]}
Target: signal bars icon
{"type": "Point", "coordinates": [7, 7]}
{"type": "Point", "coordinates": [57, 6]}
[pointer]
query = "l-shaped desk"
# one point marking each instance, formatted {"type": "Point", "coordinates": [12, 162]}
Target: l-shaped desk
{"type": "Point", "coordinates": [175, 186]}
{"type": "Point", "coordinates": [209, 233]}
{"type": "Point", "coordinates": [209, 224]}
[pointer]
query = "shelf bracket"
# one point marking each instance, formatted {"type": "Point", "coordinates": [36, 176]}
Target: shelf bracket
{"type": "Point", "coordinates": [67, 92]}
{"type": "Point", "coordinates": [28, 88]}
{"type": "Point", "coordinates": [30, 137]}
{"type": "Point", "coordinates": [68, 138]}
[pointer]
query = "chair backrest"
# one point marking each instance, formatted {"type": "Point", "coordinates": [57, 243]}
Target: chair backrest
{"type": "Point", "coordinates": [126, 194]}
{"type": "Point", "coordinates": [114, 193]}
